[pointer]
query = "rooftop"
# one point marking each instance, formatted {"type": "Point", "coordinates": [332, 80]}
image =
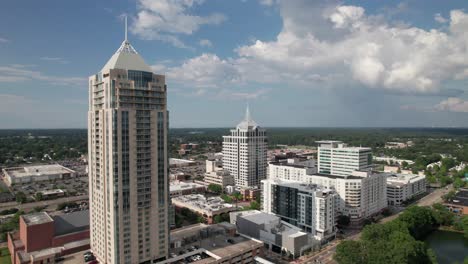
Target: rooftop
{"type": "Point", "coordinates": [127, 58]}
{"type": "Point", "coordinates": [200, 202]}
{"type": "Point", "coordinates": [398, 178]}
{"type": "Point", "coordinates": [37, 170]}
{"type": "Point", "coordinates": [248, 122]}
{"type": "Point", "coordinates": [36, 218]}
{"type": "Point", "coordinates": [461, 198]}
{"type": "Point", "coordinates": [72, 222]}
{"type": "Point", "coordinates": [179, 186]}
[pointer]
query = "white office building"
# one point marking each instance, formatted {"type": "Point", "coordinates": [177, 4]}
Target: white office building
{"type": "Point", "coordinates": [336, 158]}
{"type": "Point", "coordinates": [245, 153]}
{"type": "Point", "coordinates": [401, 187]}
{"type": "Point", "coordinates": [307, 206]}
{"type": "Point", "coordinates": [128, 164]}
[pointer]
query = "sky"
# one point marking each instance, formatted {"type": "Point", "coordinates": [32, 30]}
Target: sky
{"type": "Point", "coordinates": [296, 63]}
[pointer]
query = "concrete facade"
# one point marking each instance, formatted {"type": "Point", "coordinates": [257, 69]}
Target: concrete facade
{"type": "Point", "coordinates": [336, 158]}
{"type": "Point", "coordinates": [401, 187]}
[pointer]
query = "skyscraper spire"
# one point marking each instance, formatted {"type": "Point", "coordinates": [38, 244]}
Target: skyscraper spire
{"type": "Point", "coordinates": [247, 113]}
{"type": "Point", "coordinates": [126, 39]}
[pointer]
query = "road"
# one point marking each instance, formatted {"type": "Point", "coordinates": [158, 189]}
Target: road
{"type": "Point", "coordinates": [30, 206]}
{"type": "Point", "coordinates": [325, 255]}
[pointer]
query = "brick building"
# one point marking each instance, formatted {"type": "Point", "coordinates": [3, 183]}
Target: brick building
{"type": "Point", "coordinates": [41, 238]}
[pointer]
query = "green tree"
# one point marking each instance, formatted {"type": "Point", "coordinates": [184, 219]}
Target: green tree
{"type": "Point", "coordinates": [350, 252]}
{"type": "Point", "coordinates": [254, 205]}
{"type": "Point", "coordinates": [464, 224]}
{"type": "Point", "coordinates": [39, 196]}
{"type": "Point", "coordinates": [419, 219]}
{"type": "Point", "coordinates": [442, 215]}
{"type": "Point", "coordinates": [215, 188]}
{"type": "Point", "coordinates": [21, 197]}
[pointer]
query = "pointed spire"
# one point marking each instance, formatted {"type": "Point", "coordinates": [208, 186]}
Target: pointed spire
{"type": "Point", "coordinates": [247, 113]}
{"type": "Point", "coordinates": [126, 39]}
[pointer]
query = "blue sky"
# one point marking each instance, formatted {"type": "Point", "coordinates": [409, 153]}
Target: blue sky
{"type": "Point", "coordinates": [296, 62]}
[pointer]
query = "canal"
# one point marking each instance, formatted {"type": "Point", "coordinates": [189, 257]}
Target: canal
{"type": "Point", "coordinates": [449, 247]}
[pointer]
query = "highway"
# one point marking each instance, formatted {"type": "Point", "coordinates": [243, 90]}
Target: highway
{"type": "Point", "coordinates": [30, 206]}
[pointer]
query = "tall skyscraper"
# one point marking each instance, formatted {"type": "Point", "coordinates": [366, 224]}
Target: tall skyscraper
{"type": "Point", "coordinates": [336, 158]}
{"type": "Point", "coordinates": [127, 141]}
{"type": "Point", "coordinates": [245, 153]}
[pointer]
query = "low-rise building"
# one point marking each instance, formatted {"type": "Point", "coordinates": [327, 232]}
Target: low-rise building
{"type": "Point", "coordinates": [178, 188]}
{"type": "Point", "coordinates": [277, 235]}
{"type": "Point", "coordinates": [42, 238]}
{"type": "Point", "coordinates": [307, 206]}
{"type": "Point", "coordinates": [401, 187]}
{"type": "Point", "coordinates": [206, 207]}
{"type": "Point", "coordinates": [52, 194]}
{"type": "Point", "coordinates": [176, 163]}
{"type": "Point", "coordinates": [20, 175]}
{"type": "Point", "coordinates": [212, 244]}
{"type": "Point", "coordinates": [459, 203]}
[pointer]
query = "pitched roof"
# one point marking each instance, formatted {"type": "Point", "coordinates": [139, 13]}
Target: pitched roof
{"type": "Point", "coordinates": [127, 58]}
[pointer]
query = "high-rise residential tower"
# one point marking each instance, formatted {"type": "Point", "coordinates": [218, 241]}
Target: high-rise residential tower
{"type": "Point", "coordinates": [127, 142]}
{"type": "Point", "coordinates": [336, 158]}
{"type": "Point", "coordinates": [245, 153]}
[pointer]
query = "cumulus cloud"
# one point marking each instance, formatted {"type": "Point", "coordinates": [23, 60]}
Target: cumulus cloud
{"type": "Point", "coordinates": [334, 43]}
{"type": "Point", "coordinates": [205, 43]}
{"type": "Point", "coordinates": [267, 2]}
{"type": "Point", "coordinates": [452, 104]}
{"type": "Point", "coordinates": [21, 73]}
{"type": "Point", "coordinates": [167, 19]}
{"type": "Point", "coordinates": [439, 18]}
{"type": "Point", "coordinates": [205, 71]}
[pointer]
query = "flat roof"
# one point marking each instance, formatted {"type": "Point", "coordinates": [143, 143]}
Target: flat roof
{"type": "Point", "coordinates": [38, 170]}
{"type": "Point", "coordinates": [72, 222]}
{"type": "Point", "coordinates": [184, 186]}
{"type": "Point", "coordinates": [37, 218]}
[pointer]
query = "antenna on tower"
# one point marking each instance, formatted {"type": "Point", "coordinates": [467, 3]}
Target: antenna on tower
{"type": "Point", "coordinates": [126, 28]}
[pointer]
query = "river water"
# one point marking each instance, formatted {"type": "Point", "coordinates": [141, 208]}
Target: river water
{"type": "Point", "coordinates": [448, 246]}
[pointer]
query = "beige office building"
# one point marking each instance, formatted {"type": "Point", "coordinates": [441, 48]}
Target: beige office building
{"type": "Point", "coordinates": [128, 180]}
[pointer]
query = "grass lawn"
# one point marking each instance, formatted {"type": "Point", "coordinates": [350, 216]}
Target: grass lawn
{"type": "Point", "coordinates": [5, 256]}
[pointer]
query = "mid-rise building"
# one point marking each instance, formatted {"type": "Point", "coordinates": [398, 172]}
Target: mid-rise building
{"type": "Point", "coordinates": [215, 174]}
{"type": "Point", "coordinates": [206, 207]}
{"type": "Point", "coordinates": [306, 206]}
{"type": "Point", "coordinates": [245, 153]}
{"type": "Point", "coordinates": [401, 187]}
{"type": "Point", "coordinates": [362, 194]}
{"type": "Point", "coordinates": [291, 169]}
{"type": "Point", "coordinates": [336, 158]}
{"type": "Point", "coordinates": [128, 164]}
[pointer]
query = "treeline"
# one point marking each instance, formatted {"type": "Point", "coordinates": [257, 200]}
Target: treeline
{"type": "Point", "coordinates": [400, 241]}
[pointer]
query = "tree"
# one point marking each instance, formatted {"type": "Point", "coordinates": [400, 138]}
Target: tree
{"type": "Point", "coordinates": [39, 196]}
{"type": "Point", "coordinates": [464, 224]}
{"type": "Point", "coordinates": [442, 215]}
{"type": "Point", "coordinates": [215, 188]}
{"type": "Point", "coordinates": [350, 252]}
{"type": "Point", "coordinates": [21, 197]}
{"type": "Point", "coordinates": [254, 205]}
{"type": "Point", "coordinates": [419, 219]}
{"type": "Point", "coordinates": [226, 198]}
{"type": "Point", "coordinates": [449, 196]}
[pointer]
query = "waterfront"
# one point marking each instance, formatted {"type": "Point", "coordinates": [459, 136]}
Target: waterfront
{"type": "Point", "coordinates": [449, 247]}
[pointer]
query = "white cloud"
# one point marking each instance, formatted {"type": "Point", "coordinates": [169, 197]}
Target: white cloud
{"type": "Point", "coordinates": [452, 104]}
{"type": "Point", "coordinates": [267, 2]}
{"type": "Point", "coordinates": [205, 43]}
{"type": "Point", "coordinates": [21, 73]}
{"type": "Point", "coordinates": [55, 59]}
{"type": "Point", "coordinates": [4, 40]}
{"type": "Point", "coordinates": [335, 45]}
{"type": "Point", "coordinates": [439, 18]}
{"type": "Point", "coordinates": [167, 19]}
